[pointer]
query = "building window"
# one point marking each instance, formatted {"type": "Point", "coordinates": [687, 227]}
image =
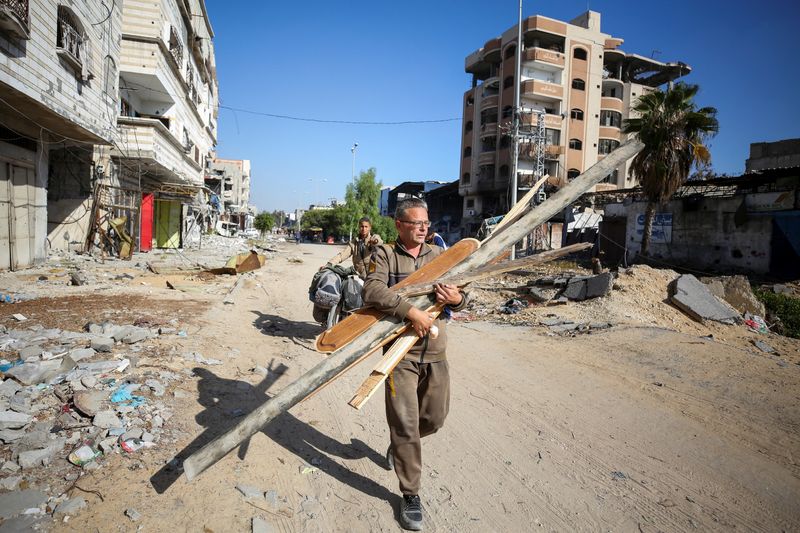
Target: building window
{"type": "Point", "coordinates": [465, 178]}
{"type": "Point", "coordinates": [573, 173]}
{"type": "Point", "coordinates": [508, 82]}
{"type": "Point", "coordinates": [470, 100]}
{"type": "Point", "coordinates": [606, 146]}
{"type": "Point", "coordinates": [468, 151]}
{"type": "Point", "coordinates": [611, 118]}
{"type": "Point", "coordinates": [576, 114]}
{"type": "Point", "coordinates": [70, 39]}
{"type": "Point", "coordinates": [175, 46]}
{"type": "Point", "coordinates": [576, 144]}
{"type": "Point", "coordinates": [468, 127]}
{"type": "Point", "coordinates": [470, 203]}
{"type": "Point", "coordinates": [579, 84]}
{"type": "Point", "coordinates": [504, 171]}
{"type": "Point", "coordinates": [510, 52]}
{"type": "Point", "coordinates": [580, 53]}
{"type": "Point", "coordinates": [552, 137]}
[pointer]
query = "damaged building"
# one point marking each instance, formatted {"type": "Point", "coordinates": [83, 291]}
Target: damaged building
{"type": "Point", "coordinates": [228, 181]}
{"type": "Point", "coordinates": [107, 118]}
{"type": "Point", "coordinates": [58, 109]}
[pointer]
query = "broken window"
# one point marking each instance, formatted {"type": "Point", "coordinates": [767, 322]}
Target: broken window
{"type": "Point", "coordinates": [71, 41]}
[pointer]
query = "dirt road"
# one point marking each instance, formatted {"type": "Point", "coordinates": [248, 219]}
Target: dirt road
{"type": "Point", "coordinates": [635, 428]}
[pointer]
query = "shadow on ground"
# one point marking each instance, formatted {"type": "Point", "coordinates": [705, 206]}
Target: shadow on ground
{"type": "Point", "coordinates": [277, 326]}
{"type": "Point", "coordinates": [227, 400]}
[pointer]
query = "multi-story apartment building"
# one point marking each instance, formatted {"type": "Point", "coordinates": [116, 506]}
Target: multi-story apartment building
{"type": "Point", "coordinates": [58, 111]}
{"type": "Point", "coordinates": [229, 179]}
{"type": "Point", "coordinates": [168, 113]}
{"type": "Point", "coordinates": [572, 73]}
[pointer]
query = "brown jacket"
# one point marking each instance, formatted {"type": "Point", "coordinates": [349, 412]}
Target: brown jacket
{"type": "Point", "coordinates": [389, 266]}
{"type": "Point", "coordinates": [361, 252]}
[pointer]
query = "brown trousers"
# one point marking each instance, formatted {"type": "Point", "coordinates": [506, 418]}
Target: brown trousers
{"type": "Point", "coordinates": [417, 402]}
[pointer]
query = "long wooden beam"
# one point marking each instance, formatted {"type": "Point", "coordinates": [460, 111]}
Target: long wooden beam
{"type": "Point", "coordinates": [333, 365]}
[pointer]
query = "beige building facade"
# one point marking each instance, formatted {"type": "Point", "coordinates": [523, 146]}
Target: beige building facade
{"type": "Point", "coordinates": [581, 82]}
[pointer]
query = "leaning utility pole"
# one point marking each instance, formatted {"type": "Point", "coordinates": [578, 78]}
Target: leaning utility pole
{"type": "Point", "coordinates": [516, 119]}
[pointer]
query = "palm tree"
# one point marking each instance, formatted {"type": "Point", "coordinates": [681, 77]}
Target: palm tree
{"type": "Point", "coordinates": [673, 131]}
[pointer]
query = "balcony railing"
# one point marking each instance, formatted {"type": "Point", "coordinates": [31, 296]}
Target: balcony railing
{"type": "Point", "coordinates": [71, 42]}
{"type": "Point", "coordinates": [175, 46]}
{"type": "Point", "coordinates": [14, 17]}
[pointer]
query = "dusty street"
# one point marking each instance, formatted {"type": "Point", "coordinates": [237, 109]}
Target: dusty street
{"type": "Point", "coordinates": [633, 428]}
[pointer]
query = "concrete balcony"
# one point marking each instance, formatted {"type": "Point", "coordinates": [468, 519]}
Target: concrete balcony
{"type": "Point", "coordinates": [527, 151]}
{"type": "Point", "coordinates": [546, 90]}
{"type": "Point", "coordinates": [609, 132]}
{"type": "Point", "coordinates": [487, 158]}
{"type": "Point", "coordinates": [149, 143]}
{"type": "Point", "coordinates": [491, 50]}
{"type": "Point", "coordinates": [610, 103]}
{"type": "Point", "coordinates": [14, 18]}
{"type": "Point", "coordinates": [550, 121]}
{"type": "Point", "coordinates": [548, 58]}
{"type": "Point", "coordinates": [539, 23]}
{"type": "Point", "coordinates": [489, 101]}
{"type": "Point", "coordinates": [489, 129]}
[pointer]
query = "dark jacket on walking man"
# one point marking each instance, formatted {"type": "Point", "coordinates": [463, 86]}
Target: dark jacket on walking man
{"type": "Point", "coordinates": [360, 248]}
{"type": "Point", "coordinates": [418, 389]}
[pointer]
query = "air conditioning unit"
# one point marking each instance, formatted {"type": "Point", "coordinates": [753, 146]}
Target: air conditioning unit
{"type": "Point", "coordinates": [470, 212]}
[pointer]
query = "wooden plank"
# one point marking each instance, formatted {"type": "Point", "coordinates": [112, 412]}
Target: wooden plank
{"type": "Point", "coordinates": [332, 366]}
{"type": "Point", "coordinates": [354, 325]}
{"type": "Point", "coordinates": [518, 209]}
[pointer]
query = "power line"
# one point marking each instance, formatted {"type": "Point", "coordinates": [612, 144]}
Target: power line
{"type": "Point", "coordinates": [331, 121]}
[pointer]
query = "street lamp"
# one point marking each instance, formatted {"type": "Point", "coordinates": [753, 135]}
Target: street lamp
{"type": "Point", "coordinates": [353, 181]}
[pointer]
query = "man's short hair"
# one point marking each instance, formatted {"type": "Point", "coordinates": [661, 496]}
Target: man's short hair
{"type": "Point", "coordinates": [365, 219]}
{"type": "Point", "coordinates": [407, 204]}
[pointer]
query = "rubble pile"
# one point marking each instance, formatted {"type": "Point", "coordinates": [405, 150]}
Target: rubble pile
{"type": "Point", "coordinates": [68, 401]}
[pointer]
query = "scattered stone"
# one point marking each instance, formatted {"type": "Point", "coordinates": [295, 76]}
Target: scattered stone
{"type": "Point", "coordinates": [25, 522]}
{"type": "Point", "coordinates": [133, 514]}
{"type": "Point", "coordinates": [21, 403]}
{"type": "Point", "coordinates": [70, 506]}
{"type": "Point", "coordinates": [157, 421]}
{"type": "Point", "coordinates": [19, 318]}
{"type": "Point", "coordinates": [34, 458]}
{"type": "Point", "coordinates": [13, 420]}
{"type": "Point", "coordinates": [148, 437]}
{"type": "Point", "coordinates": [538, 295]}
{"type": "Point", "coordinates": [9, 388]}
{"type": "Point", "coordinates": [10, 483]}
{"type": "Point", "coordinates": [108, 445]}
{"type": "Point", "coordinates": [575, 289]}
{"type": "Point", "coordinates": [80, 354]}
{"type": "Point", "coordinates": [763, 346]}
{"type": "Point", "coordinates": [78, 278]}
{"type": "Point", "coordinates": [696, 300]}
{"type": "Point", "coordinates": [88, 402]}
{"type": "Point", "coordinates": [37, 372]}
{"type": "Point", "coordinates": [132, 433]}
{"type": "Point", "coordinates": [102, 344]}
{"type": "Point", "coordinates": [135, 335]}
{"type": "Point", "coordinates": [155, 386]}
{"type": "Point", "coordinates": [17, 502]}
{"type": "Point", "coordinates": [599, 285]}
{"type": "Point", "coordinates": [106, 420]}
{"type": "Point", "coordinates": [11, 435]}
{"type": "Point", "coordinates": [249, 491]}
{"type": "Point", "coordinates": [180, 394]}
{"type": "Point", "coordinates": [30, 351]}
{"type": "Point", "coordinates": [261, 526]}
{"type": "Point", "coordinates": [89, 381]}
{"type": "Point", "coordinates": [10, 466]}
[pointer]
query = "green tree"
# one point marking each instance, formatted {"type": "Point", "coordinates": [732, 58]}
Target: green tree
{"type": "Point", "coordinates": [264, 222]}
{"type": "Point", "coordinates": [674, 132]}
{"type": "Point", "coordinates": [361, 200]}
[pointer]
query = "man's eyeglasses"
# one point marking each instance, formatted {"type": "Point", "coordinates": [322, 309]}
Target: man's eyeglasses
{"type": "Point", "coordinates": [418, 223]}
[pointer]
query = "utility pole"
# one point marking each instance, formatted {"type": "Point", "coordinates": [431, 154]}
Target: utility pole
{"type": "Point", "coordinates": [516, 119]}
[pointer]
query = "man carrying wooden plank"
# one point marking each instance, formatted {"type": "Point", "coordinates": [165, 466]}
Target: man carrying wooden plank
{"type": "Point", "coordinates": [418, 389]}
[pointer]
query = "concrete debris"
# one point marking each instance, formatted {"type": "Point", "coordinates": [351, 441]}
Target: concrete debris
{"type": "Point", "coordinates": [102, 344]}
{"type": "Point", "coordinates": [10, 483]}
{"type": "Point", "coordinates": [737, 292]}
{"type": "Point", "coordinates": [33, 458]}
{"type": "Point", "coordinates": [88, 402]}
{"type": "Point", "coordinates": [697, 301]}
{"type": "Point", "coordinates": [71, 506]}
{"type": "Point", "coordinates": [107, 419]}
{"type": "Point", "coordinates": [133, 514]}
{"type": "Point", "coordinates": [9, 388]}
{"type": "Point", "coordinates": [248, 491]}
{"type": "Point", "coordinates": [763, 346]}
{"type": "Point", "coordinates": [11, 435]}
{"type": "Point", "coordinates": [196, 357]}
{"type": "Point", "coordinates": [14, 420]}
{"type": "Point", "coordinates": [513, 306]}
{"type": "Point", "coordinates": [155, 386]}
{"type": "Point", "coordinates": [19, 318]}
{"type": "Point", "coordinates": [17, 502]}
{"type": "Point", "coordinates": [261, 526]}
{"type": "Point", "coordinates": [79, 278]}
{"type": "Point", "coordinates": [80, 354]}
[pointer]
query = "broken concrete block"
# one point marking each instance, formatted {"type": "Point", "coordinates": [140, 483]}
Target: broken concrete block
{"type": "Point", "coordinates": [9, 388]}
{"type": "Point", "coordinates": [132, 433]}
{"type": "Point", "coordinates": [261, 526]}
{"type": "Point", "coordinates": [21, 403]}
{"type": "Point", "coordinates": [88, 402]}
{"type": "Point", "coordinates": [538, 295]}
{"type": "Point", "coordinates": [11, 435]}
{"type": "Point", "coordinates": [78, 278]}
{"type": "Point", "coordinates": [696, 300]}
{"type": "Point", "coordinates": [17, 502]}
{"type": "Point", "coordinates": [14, 420]}
{"type": "Point", "coordinates": [248, 491]}
{"type": "Point", "coordinates": [10, 466]}
{"type": "Point", "coordinates": [81, 353]}
{"type": "Point", "coordinates": [89, 381]}
{"type": "Point", "coordinates": [108, 445]}
{"type": "Point", "coordinates": [10, 483]}
{"type": "Point", "coordinates": [575, 289]}
{"type": "Point", "coordinates": [135, 335]}
{"type": "Point", "coordinates": [30, 351]}
{"type": "Point", "coordinates": [763, 346]}
{"type": "Point", "coordinates": [71, 506]}
{"type": "Point", "coordinates": [599, 285]}
{"type": "Point", "coordinates": [155, 386]}
{"type": "Point", "coordinates": [106, 420]}
{"type": "Point", "coordinates": [35, 372]}
{"type": "Point", "coordinates": [33, 458]}
{"type": "Point", "coordinates": [102, 344]}
{"type": "Point", "coordinates": [133, 514]}
{"type": "Point", "coordinates": [739, 295]}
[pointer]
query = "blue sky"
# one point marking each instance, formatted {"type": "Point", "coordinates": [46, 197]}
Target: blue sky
{"type": "Point", "coordinates": [396, 61]}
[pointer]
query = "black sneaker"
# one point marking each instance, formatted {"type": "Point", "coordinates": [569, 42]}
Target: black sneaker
{"type": "Point", "coordinates": [411, 513]}
{"type": "Point", "coordinates": [390, 458]}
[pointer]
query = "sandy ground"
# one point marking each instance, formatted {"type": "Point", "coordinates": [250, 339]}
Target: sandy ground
{"type": "Point", "coordinates": [647, 426]}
